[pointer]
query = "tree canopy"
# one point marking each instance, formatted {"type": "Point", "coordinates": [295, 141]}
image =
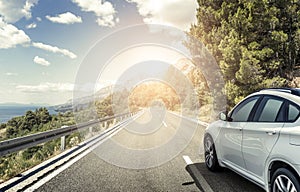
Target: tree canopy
{"type": "Point", "coordinates": [256, 43]}
{"type": "Point", "coordinates": [145, 95]}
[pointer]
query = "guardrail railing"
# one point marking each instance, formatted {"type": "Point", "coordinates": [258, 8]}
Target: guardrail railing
{"type": "Point", "coordinates": [19, 143]}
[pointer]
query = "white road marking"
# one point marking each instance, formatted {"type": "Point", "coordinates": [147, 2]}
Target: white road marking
{"type": "Point", "coordinates": [197, 176]}
{"type": "Point", "coordinates": [205, 124]}
{"type": "Point", "coordinates": [187, 159]}
{"type": "Point", "coordinates": [69, 163]}
{"type": "Point", "coordinates": [165, 124]}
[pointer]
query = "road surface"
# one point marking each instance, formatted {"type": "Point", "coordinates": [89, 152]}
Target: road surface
{"type": "Point", "coordinates": [149, 154]}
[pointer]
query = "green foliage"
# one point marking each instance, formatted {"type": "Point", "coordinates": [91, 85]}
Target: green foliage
{"type": "Point", "coordinates": [190, 87]}
{"type": "Point", "coordinates": [256, 43]}
{"type": "Point", "coordinates": [153, 93]}
{"type": "Point", "coordinates": [201, 88]}
{"type": "Point", "coordinates": [36, 121]}
{"type": "Point", "coordinates": [28, 153]}
{"type": "Point", "coordinates": [104, 107]}
{"type": "Point", "coordinates": [2, 126]}
{"type": "Point", "coordinates": [33, 122]}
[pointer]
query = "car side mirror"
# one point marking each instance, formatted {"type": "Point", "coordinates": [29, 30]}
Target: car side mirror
{"type": "Point", "coordinates": [224, 116]}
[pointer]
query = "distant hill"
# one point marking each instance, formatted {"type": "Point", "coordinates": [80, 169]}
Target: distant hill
{"type": "Point", "coordinates": [83, 102]}
{"type": "Point", "coordinates": [25, 104]}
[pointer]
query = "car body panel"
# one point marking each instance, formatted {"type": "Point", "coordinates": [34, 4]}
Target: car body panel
{"type": "Point", "coordinates": [284, 150]}
{"type": "Point", "coordinates": [251, 148]}
{"type": "Point", "coordinates": [230, 143]}
{"type": "Point", "coordinates": [259, 139]}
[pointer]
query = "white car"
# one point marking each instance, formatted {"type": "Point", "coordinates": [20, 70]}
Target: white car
{"type": "Point", "coordinates": [259, 139]}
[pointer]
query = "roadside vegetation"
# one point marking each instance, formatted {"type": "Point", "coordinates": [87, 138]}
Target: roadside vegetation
{"type": "Point", "coordinates": [33, 122]}
{"type": "Point", "coordinates": [146, 94]}
{"type": "Point", "coordinates": [38, 121]}
{"type": "Point", "coordinates": [256, 43]}
{"type": "Point", "coordinates": [177, 92]}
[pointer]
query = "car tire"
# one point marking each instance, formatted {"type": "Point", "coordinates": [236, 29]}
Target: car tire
{"type": "Point", "coordinates": [210, 155]}
{"type": "Point", "coordinates": [284, 180]}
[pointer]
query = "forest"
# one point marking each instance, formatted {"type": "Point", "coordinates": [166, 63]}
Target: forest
{"type": "Point", "coordinates": [255, 43]}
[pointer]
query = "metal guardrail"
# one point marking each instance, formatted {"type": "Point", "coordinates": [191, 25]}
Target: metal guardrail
{"type": "Point", "coordinates": [17, 144]}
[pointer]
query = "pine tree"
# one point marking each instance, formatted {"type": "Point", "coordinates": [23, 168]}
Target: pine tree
{"type": "Point", "coordinates": [255, 43]}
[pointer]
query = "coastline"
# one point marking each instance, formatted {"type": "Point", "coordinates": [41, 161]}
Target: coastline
{"type": "Point", "coordinates": [8, 112]}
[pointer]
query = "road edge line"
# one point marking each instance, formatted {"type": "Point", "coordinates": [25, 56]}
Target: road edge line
{"type": "Point", "coordinates": [198, 178]}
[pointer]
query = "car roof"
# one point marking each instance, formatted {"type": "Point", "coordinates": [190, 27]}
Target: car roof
{"type": "Point", "coordinates": [293, 91]}
{"type": "Point", "coordinates": [292, 94]}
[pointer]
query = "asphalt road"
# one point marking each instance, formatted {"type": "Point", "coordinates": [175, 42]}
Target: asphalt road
{"type": "Point", "coordinates": [147, 155]}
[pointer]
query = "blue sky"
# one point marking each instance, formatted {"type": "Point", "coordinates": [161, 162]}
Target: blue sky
{"type": "Point", "coordinates": [43, 42]}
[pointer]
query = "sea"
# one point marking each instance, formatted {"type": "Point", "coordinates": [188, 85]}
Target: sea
{"type": "Point", "coordinates": [7, 112]}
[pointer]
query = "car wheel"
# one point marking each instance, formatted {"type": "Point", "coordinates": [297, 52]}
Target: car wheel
{"type": "Point", "coordinates": [284, 180]}
{"type": "Point", "coordinates": [210, 154]}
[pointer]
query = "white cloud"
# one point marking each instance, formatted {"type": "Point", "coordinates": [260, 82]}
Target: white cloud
{"type": "Point", "coordinates": [178, 13]}
{"type": "Point", "coordinates": [14, 10]}
{"type": "Point", "coordinates": [65, 18]}
{"type": "Point", "coordinates": [107, 21]}
{"type": "Point", "coordinates": [46, 87]}
{"type": "Point", "coordinates": [39, 19]}
{"type": "Point", "coordinates": [104, 11]}
{"type": "Point", "coordinates": [54, 49]}
{"type": "Point", "coordinates": [27, 8]}
{"type": "Point", "coordinates": [31, 26]}
{"type": "Point", "coordinates": [41, 61]}
{"type": "Point", "coordinates": [10, 36]}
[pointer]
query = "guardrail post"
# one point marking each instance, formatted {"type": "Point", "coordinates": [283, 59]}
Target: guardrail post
{"type": "Point", "coordinates": [62, 143]}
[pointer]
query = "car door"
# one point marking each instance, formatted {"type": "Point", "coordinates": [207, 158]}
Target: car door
{"type": "Point", "coordinates": [231, 133]}
{"type": "Point", "coordinates": [261, 134]}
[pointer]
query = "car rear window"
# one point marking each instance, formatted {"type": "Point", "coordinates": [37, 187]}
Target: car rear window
{"type": "Point", "coordinates": [293, 113]}
{"type": "Point", "coordinates": [270, 110]}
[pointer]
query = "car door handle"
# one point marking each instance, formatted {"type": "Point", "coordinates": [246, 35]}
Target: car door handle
{"type": "Point", "coordinates": [271, 132]}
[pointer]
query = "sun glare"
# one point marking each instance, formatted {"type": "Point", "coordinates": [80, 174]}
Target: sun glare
{"type": "Point", "coordinates": [126, 59]}
{"type": "Point", "coordinates": [154, 93]}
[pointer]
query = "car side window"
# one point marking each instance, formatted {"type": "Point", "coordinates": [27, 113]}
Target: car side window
{"type": "Point", "coordinates": [293, 112]}
{"type": "Point", "coordinates": [242, 111]}
{"type": "Point", "coordinates": [270, 109]}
